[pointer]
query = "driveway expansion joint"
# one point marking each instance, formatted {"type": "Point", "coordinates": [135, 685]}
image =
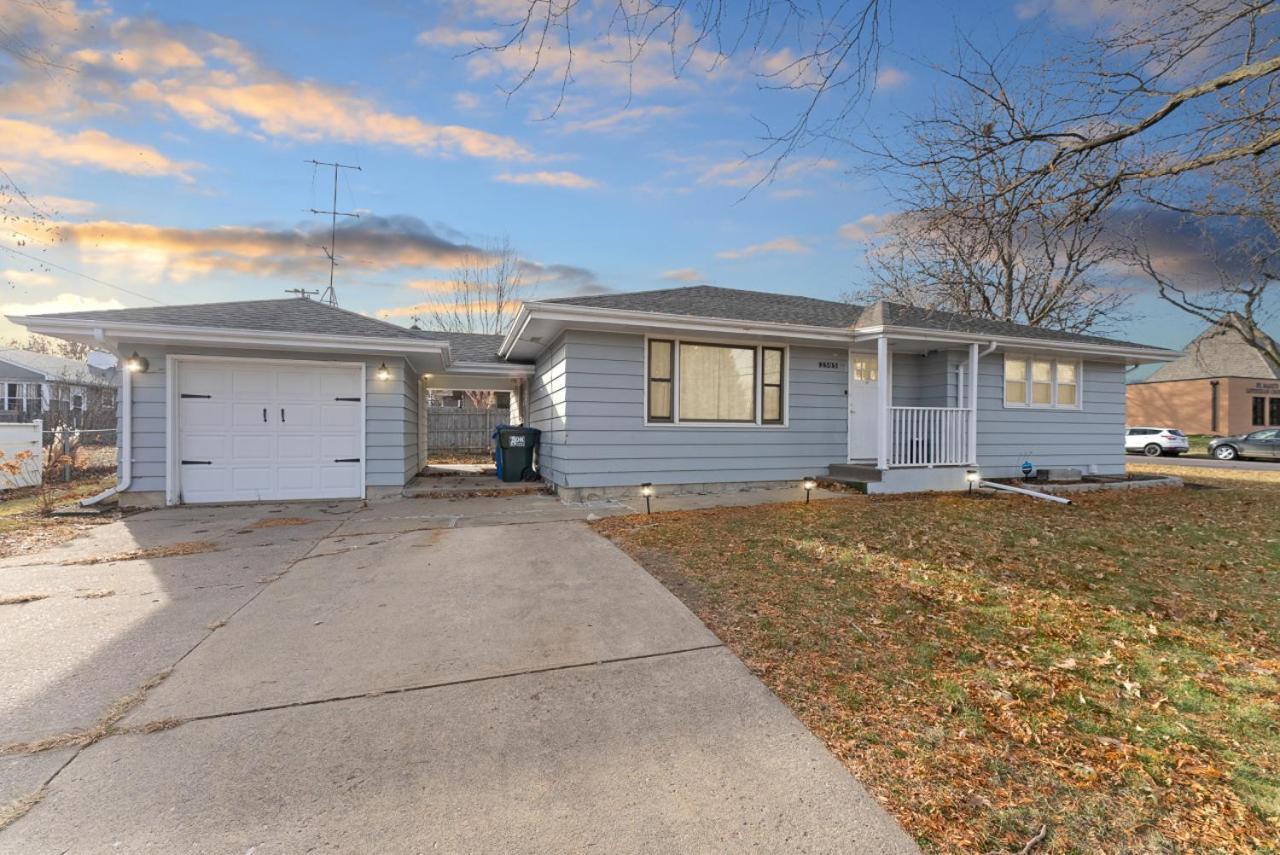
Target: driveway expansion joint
{"type": "Point", "coordinates": [170, 723]}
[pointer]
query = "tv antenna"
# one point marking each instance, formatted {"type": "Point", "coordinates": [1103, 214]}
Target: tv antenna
{"type": "Point", "coordinates": [302, 293]}
{"type": "Point", "coordinates": [330, 296]}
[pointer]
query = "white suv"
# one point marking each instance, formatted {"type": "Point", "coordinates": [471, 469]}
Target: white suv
{"type": "Point", "coordinates": [1154, 442]}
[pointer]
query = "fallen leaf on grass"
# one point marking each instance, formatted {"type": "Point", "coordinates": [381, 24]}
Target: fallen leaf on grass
{"type": "Point", "coordinates": [94, 595]}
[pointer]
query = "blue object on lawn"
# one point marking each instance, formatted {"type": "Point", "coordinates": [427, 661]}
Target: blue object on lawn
{"type": "Point", "coordinates": [1027, 469]}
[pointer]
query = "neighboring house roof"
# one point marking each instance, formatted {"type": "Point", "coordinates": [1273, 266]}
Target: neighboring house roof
{"type": "Point", "coordinates": [58, 368]}
{"type": "Point", "coordinates": [287, 315]}
{"type": "Point", "coordinates": [709, 301]}
{"type": "Point", "coordinates": [1219, 351]}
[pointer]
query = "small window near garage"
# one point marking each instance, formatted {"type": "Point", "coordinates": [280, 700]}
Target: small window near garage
{"type": "Point", "coordinates": [77, 402]}
{"type": "Point", "coordinates": [1041, 383]}
{"type": "Point", "coordinates": [660, 377]}
{"type": "Point", "coordinates": [1259, 411]}
{"type": "Point", "coordinates": [771, 384]}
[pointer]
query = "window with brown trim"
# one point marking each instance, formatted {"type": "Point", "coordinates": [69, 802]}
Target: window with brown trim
{"type": "Point", "coordinates": [1259, 411]}
{"type": "Point", "coordinates": [772, 370]}
{"type": "Point", "coordinates": [1274, 417]}
{"type": "Point", "coordinates": [660, 376]}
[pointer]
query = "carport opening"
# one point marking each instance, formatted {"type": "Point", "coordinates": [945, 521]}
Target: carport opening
{"type": "Point", "coordinates": [458, 426]}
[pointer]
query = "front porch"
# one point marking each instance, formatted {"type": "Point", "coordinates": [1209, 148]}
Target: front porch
{"type": "Point", "coordinates": [913, 417]}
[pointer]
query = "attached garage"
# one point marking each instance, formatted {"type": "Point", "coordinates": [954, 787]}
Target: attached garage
{"type": "Point", "coordinates": [253, 430]}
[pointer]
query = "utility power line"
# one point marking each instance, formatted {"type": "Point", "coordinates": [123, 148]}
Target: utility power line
{"type": "Point", "coordinates": [47, 263]}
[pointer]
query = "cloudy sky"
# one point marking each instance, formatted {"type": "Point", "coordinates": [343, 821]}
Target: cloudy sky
{"type": "Point", "coordinates": [161, 149]}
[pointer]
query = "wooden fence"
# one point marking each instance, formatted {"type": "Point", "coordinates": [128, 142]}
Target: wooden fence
{"type": "Point", "coordinates": [463, 429]}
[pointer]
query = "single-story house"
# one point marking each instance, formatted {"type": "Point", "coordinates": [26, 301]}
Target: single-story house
{"type": "Point", "coordinates": [1220, 385]}
{"type": "Point", "coordinates": [55, 389]}
{"type": "Point", "coordinates": [684, 388]}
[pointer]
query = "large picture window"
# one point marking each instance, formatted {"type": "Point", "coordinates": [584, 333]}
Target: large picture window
{"type": "Point", "coordinates": [695, 382]}
{"type": "Point", "coordinates": [1031, 381]}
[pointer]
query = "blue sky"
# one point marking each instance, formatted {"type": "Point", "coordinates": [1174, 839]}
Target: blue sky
{"type": "Point", "coordinates": [164, 147]}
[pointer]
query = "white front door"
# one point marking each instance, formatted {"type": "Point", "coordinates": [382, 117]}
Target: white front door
{"type": "Point", "coordinates": [255, 431]}
{"type": "Point", "coordinates": [863, 377]}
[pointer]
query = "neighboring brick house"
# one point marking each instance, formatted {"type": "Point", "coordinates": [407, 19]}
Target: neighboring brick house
{"type": "Point", "coordinates": [1221, 386]}
{"type": "Point", "coordinates": [56, 390]}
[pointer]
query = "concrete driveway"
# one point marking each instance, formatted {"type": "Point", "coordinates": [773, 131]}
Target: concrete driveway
{"type": "Point", "coordinates": [472, 675]}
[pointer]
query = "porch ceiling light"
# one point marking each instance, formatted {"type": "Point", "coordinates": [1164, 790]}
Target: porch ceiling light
{"type": "Point", "coordinates": [136, 364]}
{"type": "Point", "coordinates": [384, 373]}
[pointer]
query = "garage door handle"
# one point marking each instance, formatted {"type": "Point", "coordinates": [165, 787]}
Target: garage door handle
{"type": "Point", "coordinates": [346, 460]}
{"type": "Point", "coordinates": [190, 395]}
{"type": "Point", "coordinates": [197, 463]}
{"type": "Point", "coordinates": [264, 415]}
{"type": "Point", "coordinates": [282, 414]}
{"type": "Point", "coordinates": [357, 400]}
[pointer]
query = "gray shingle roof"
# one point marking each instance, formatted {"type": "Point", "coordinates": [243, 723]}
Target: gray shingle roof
{"type": "Point", "coordinates": [709, 301]}
{"type": "Point", "coordinates": [1219, 351]}
{"type": "Point", "coordinates": [286, 315]}
{"type": "Point", "coordinates": [467, 347]}
{"type": "Point", "coordinates": [58, 367]}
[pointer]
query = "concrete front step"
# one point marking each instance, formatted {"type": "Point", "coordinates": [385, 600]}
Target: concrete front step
{"type": "Point", "coordinates": [853, 473]}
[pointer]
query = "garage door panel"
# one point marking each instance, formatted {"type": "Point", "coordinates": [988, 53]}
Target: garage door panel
{"type": "Point", "coordinates": [205, 413]}
{"type": "Point", "coordinates": [339, 416]}
{"type": "Point", "coordinates": [205, 446]}
{"type": "Point", "coordinates": [256, 382]}
{"type": "Point", "coordinates": [256, 447]}
{"type": "Point", "coordinates": [341, 383]}
{"type": "Point", "coordinates": [338, 447]}
{"type": "Point", "coordinates": [282, 458]}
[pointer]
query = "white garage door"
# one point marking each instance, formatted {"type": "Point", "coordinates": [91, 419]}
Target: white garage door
{"type": "Point", "coordinates": [261, 431]}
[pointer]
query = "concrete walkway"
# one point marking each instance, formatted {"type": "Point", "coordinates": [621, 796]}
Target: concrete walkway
{"type": "Point", "coordinates": [423, 675]}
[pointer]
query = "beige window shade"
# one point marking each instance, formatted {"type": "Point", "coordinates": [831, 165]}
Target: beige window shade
{"type": "Point", "coordinates": [717, 383]}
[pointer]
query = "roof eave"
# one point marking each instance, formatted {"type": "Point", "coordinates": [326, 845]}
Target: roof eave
{"type": "Point", "coordinates": [1131, 353]}
{"type": "Point", "coordinates": [115, 331]}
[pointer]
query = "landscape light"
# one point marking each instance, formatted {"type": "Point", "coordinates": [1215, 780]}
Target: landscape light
{"type": "Point", "coordinates": [810, 483]}
{"type": "Point", "coordinates": [136, 364]}
{"type": "Point", "coordinates": [646, 490]}
{"type": "Point", "coordinates": [384, 373]}
{"type": "Point", "coordinates": [972, 476]}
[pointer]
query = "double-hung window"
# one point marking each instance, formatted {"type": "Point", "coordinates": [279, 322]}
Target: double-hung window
{"type": "Point", "coordinates": [694, 382]}
{"type": "Point", "coordinates": [1031, 381]}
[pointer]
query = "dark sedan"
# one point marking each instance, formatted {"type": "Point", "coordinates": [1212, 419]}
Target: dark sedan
{"type": "Point", "coordinates": [1261, 444]}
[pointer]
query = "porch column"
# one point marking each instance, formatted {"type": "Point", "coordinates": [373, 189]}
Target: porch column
{"type": "Point", "coordinates": [973, 404]}
{"type": "Point", "coordinates": [884, 397]}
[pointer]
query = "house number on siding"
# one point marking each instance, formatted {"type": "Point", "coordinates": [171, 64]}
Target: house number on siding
{"type": "Point", "coordinates": [828, 364]}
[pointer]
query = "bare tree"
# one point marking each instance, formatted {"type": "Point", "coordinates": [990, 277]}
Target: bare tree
{"type": "Point", "coordinates": [52, 347]}
{"type": "Point", "coordinates": [1239, 218]}
{"type": "Point", "coordinates": [484, 295]}
{"type": "Point", "coordinates": [827, 54]}
{"type": "Point", "coordinates": [982, 232]}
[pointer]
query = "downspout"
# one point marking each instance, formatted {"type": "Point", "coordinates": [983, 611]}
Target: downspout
{"type": "Point", "coordinates": [124, 467]}
{"type": "Point", "coordinates": [975, 356]}
{"type": "Point", "coordinates": [992, 485]}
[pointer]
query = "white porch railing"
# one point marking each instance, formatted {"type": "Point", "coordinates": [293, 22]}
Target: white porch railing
{"type": "Point", "coordinates": [928, 436]}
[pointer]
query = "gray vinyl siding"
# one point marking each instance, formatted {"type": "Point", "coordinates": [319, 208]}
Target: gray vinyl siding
{"type": "Point", "coordinates": [546, 411]}
{"type": "Point", "coordinates": [1091, 435]}
{"type": "Point", "coordinates": [390, 413]}
{"type": "Point", "coordinates": [411, 389]}
{"type": "Point", "coordinates": [589, 390]}
{"type": "Point", "coordinates": [17, 374]}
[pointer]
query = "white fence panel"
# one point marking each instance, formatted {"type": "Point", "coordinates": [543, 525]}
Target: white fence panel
{"type": "Point", "coordinates": [21, 445]}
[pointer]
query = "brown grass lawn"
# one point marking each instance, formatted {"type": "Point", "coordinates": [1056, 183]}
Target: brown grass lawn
{"type": "Point", "coordinates": [25, 525]}
{"type": "Point", "coordinates": [988, 665]}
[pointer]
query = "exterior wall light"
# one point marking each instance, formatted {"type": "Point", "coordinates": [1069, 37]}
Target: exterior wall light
{"type": "Point", "coordinates": [136, 364]}
{"type": "Point", "coordinates": [384, 373]}
{"type": "Point", "coordinates": [810, 483]}
{"type": "Point", "coordinates": [646, 490]}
